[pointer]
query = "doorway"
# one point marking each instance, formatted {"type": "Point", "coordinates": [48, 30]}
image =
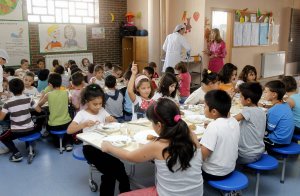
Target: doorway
{"type": "Point", "coordinates": [223, 21]}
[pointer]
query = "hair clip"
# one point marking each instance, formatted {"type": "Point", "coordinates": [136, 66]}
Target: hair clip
{"type": "Point", "coordinates": [177, 118]}
{"type": "Point", "coordinates": [208, 71]}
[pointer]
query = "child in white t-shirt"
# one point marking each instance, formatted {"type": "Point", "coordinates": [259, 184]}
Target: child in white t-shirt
{"type": "Point", "coordinates": [219, 144]}
{"type": "Point", "coordinates": [112, 169]}
{"type": "Point", "coordinates": [28, 82]}
{"type": "Point", "coordinates": [98, 78]}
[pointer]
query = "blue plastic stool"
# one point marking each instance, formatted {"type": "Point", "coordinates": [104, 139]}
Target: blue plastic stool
{"type": "Point", "coordinates": [30, 139]}
{"type": "Point", "coordinates": [236, 181]}
{"type": "Point", "coordinates": [291, 149]}
{"type": "Point", "coordinates": [266, 162]}
{"type": "Point", "coordinates": [60, 134]}
{"type": "Point", "coordinates": [78, 154]}
{"type": "Point", "coordinates": [296, 137]}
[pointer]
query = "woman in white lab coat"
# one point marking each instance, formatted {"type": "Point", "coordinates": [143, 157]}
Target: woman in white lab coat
{"type": "Point", "coordinates": [173, 46]}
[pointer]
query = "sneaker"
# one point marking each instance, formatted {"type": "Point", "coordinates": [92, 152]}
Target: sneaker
{"type": "Point", "coordinates": [4, 150]}
{"type": "Point", "coordinates": [69, 147]}
{"type": "Point", "coordinates": [45, 133]}
{"type": "Point", "coordinates": [16, 157]}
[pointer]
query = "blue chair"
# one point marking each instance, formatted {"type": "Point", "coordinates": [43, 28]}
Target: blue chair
{"type": "Point", "coordinates": [292, 149]}
{"type": "Point", "coordinates": [30, 139]}
{"type": "Point", "coordinates": [59, 134]}
{"type": "Point", "coordinates": [266, 162]}
{"type": "Point", "coordinates": [236, 181]}
{"type": "Point", "coordinates": [78, 155]}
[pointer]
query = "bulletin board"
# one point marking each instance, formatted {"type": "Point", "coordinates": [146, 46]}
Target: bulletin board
{"type": "Point", "coordinates": [251, 28]}
{"type": "Point", "coordinates": [15, 40]}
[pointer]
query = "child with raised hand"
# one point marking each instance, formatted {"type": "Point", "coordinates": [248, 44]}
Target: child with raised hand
{"type": "Point", "coordinates": [176, 153]}
{"type": "Point", "coordinates": [98, 78]}
{"type": "Point", "coordinates": [227, 77]}
{"type": "Point", "coordinates": [111, 168]}
{"type": "Point", "coordinates": [252, 124]}
{"type": "Point", "coordinates": [293, 99]}
{"type": "Point", "coordinates": [184, 78]}
{"type": "Point", "coordinates": [280, 120]}
{"type": "Point", "coordinates": [140, 92]}
{"type": "Point", "coordinates": [210, 81]}
{"type": "Point", "coordinates": [167, 88]}
{"type": "Point", "coordinates": [28, 82]}
{"type": "Point", "coordinates": [248, 74]}
{"type": "Point", "coordinates": [219, 143]}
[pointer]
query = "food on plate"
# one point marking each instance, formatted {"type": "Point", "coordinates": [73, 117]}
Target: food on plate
{"type": "Point", "coordinates": [192, 127]}
{"type": "Point", "coordinates": [151, 137]}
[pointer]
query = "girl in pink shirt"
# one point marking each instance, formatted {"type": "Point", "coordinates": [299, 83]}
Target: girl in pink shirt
{"type": "Point", "coordinates": [184, 78]}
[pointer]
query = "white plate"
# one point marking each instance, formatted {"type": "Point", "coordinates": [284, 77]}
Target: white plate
{"type": "Point", "coordinates": [113, 125]}
{"type": "Point", "coordinates": [118, 140]}
{"type": "Point", "coordinates": [197, 119]}
{"type": "Point", "coordinates": [141, 137]}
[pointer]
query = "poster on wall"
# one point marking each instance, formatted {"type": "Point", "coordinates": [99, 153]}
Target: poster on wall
{"type": "Point", "coordinates": [62, 37]}
{"type": "Point", "coordinates": [98, 33]}
{"type": "Point", "coordinates": [11, 10]}
{"type": "Point", "coordinates": [263, 34]}
{"type": "Point", "coordinates": [15, 40]}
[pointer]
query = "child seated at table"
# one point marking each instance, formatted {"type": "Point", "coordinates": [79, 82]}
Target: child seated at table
{"type": "Point", "coordinates": [154, 66]}
{"type": "Point", "coordinates": [20, 118]}
{"type": "Point", "coordinates": [113, 99]}
{"type": "Point", "coordinates": [9, 73]}
{"type": "Point", "coordinates": [227, 77]}
{"type": "Point", "coordinates": [210, 81]}
{"type": "Point", "coordinates": [176, 153]}
{"type": "Point", "coordinates": [127, 103]}
{"type": "Point", "coordinates": [219, 143]}
{"type": "Point", "coordinates": [140, 92]}
{"type": "Point", "coordinates": [149, 72]}
{"type": "Point", "coordinates": [6, 93]}
{"type": "Point", "coordinates": [108, 69]}
{"type": "Point", "coordinates": [252, 124]}
{"type": "Point", "coordinates": [168, 87]}
{"type": "Point", "coordinates": [112, 169]}
{"type": "Point", "coordinates": [248, 74]}
{"type": "Point", "coordinates": [117, 72]}
{"type": "Point", "coordinates": [77, 81]}
{"type": "Point", "coordinates": [28, 79]}
{"type": "Point", "coordinates": [43, 79]}
{"type": "Point", "coordinates": [58, 102]}
{"type": "Point", "coordinates": [65, 78]}
{"type": "Point", "coordinates": [23, 69]}
{"type": "Point", "coordinates": [293, 100]}
{"type": "Point", "coordinates": [184, 79]}
{"type": "Point", "coordinates": [90, 72]}
{"type": "Point", "coordinates": [170, 70]}
{"type": "Point", "coordinates": [98, 78]}
{"type": "Point", "coordinates": [280, 120]}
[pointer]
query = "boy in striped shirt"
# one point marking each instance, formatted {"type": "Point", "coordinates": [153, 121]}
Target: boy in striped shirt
{"type": "Point", "coordinates": [21, 124]}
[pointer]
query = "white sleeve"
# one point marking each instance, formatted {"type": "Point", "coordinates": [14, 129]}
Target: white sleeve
{"type": "Point", "coordinates": [79, 117]}
{"type": "Point", "coordinates": [165, 46]}
{"type": "Point", "coordinates": [156, 96]}
{"type": "Point", "coordinates": [185, 44]}
{"type": "Point", "coordinates": [194, 98]}
{"type": "Point", "coordinates": [209, 138]}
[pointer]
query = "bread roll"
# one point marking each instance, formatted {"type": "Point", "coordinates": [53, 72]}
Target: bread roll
{"type": "Point", "coordinates": [151, 137]}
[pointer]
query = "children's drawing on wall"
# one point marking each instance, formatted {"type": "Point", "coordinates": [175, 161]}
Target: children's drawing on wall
{"type": "Point", "coordinates": [70, 34]}
{"type": "Point", "coordinates": [11, 10]}
{"type": "Point", "coordinates": [188, 26]}
{"type": "Point", "coordinates": [17, 34]}
{"type": "Point", "coordinates": [62, 37]}
{"type": "Point", "coordinates": [196, 16]}
{"type": "Point", "coordinates": [53, 38]}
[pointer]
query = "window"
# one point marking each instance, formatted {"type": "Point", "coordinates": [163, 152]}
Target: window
{"type": "Point", "coordinates": [63, 11]}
